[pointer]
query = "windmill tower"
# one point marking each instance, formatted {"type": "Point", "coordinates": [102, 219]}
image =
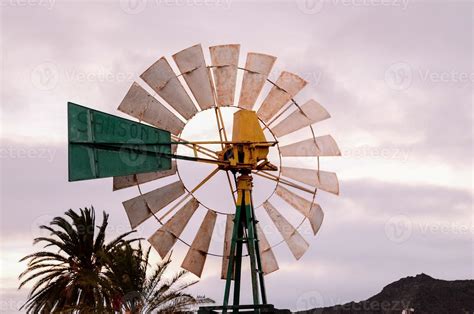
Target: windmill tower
{"type": "Point", "coordinates": [134, 153]}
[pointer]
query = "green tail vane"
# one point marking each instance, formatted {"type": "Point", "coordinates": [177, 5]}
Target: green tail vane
{"type": "Point", "coordinates": [102, 145]}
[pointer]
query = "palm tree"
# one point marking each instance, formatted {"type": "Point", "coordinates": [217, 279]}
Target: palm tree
{"type": "Point", "coordinates": [138, 293]}
{"type": "Point", "coordinates": [71, 277]}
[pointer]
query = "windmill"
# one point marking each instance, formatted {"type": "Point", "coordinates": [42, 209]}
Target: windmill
{"type": "Point", "coordinates": [137, 152]}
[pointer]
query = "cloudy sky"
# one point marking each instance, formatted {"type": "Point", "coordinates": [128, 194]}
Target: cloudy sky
{"type": "Point", "coordinates": [396, 75]}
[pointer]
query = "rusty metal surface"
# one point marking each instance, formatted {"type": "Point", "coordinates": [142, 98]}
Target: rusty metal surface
{"type": "Point", "coordinates": [162, 79]}
{"type": "Point", "coordinates": [258, 66]}
{"type": "Point", "coordinates": [141, 105]}
{"type": "Point", "coordinates": [320, 146]}
{"type": "Point", "coordinates": [311, 112]}
{"type": "Point", "coordinates": [123, 182]}
{"type": "Point", "coordinates": [296, 243]}
{"type": "Point", "coordinates": [196, 256]}
{"type": "Point", "coordinates": [229, 225]}
{"type": "Point", "coordinates": [192, 65]}
{"type": "Point", "coordinates": [138, 208]}
{"type": "Point", "coordinates": [165, 237]}
{"type": "Point", "coordinates": [312, 211]}
{"type": "Point", "coordinates": [225, 60]}
{"type": "Point", "coordinates": [287, 86]}
{"type": "Point", "coordinates": [326, 181]}
{"type": "Point", "coordinates": [269, 262]}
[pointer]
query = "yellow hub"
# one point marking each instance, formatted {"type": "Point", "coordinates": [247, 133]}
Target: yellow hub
{"type": "Point", "coordinates": [249, 147]}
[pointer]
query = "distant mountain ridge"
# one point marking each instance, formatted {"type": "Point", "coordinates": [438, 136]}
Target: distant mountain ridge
{"type": "Point", "coordinates": [419, 294]}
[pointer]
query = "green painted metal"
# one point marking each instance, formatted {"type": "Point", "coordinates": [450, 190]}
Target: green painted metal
{"type": "Point", "coordinates": [251, 241]}
{"type": "Point", "coordinates": [102, 145]}
{"type": "Point", "coordinates": [238, 256]}
{"type": "Point", "coordinates": [258, 257]}
{"type": "Point", "coordinates": [244, 231]}
{"type": "Point", "coordinates": [262, 308]}
{"type": "Point", "coordinates": [232, 258]}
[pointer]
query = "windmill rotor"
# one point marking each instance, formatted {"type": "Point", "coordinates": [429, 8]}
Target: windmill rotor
{"type": "Point", "coordinates": [177, 98]}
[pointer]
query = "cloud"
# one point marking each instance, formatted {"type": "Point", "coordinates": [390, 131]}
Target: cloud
{"type": "Point", "coordinates": [386, 74]}
{"type": "Point", "coordinates": [375, 232]}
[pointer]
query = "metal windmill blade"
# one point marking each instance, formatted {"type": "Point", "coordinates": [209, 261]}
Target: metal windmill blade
{"type": "Point", "coordinates": [193, 67]}
{"type": "Point", "coordinates": [123, 182]}
{"type": "Point", "coordinates": [162, 79]}
{"type": "Point", "coordinates": [320, 146]}
{"type": "Point", "coordinates": [296, 243]}
{"type": "Point", "coordinates": [307, 114]}
{"type": "Point", "coordinates": [143, 153]}
{"type": "Point", "coordinates": [165, 237]}
{"type": "Point", "coordinates": [225, 60]}
{"type": "Point", "coordinates": [258, 66]}
{"type": "Point", "coordinates": [197, 253]}
{"type": "Point", "coordinates": [285, 88]}
{"type": "Point", "coordinates": [141, 105]}
{"type": "Point", "coordinates": [310, 210]}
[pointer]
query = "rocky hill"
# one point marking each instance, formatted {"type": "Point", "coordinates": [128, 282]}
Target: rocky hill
{"type": "Point", "coordinates": [419, 294]}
